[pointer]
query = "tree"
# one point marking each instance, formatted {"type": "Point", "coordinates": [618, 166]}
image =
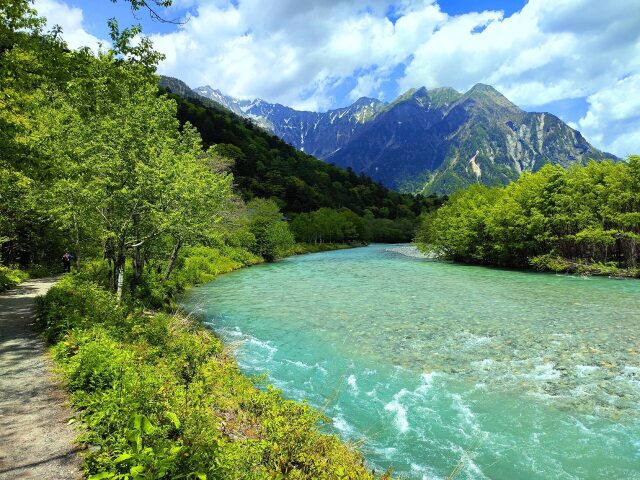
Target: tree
{"type": "Point", "coordinates": [273, 237]}
{"type": "Point", "coordinates": [585, 214]}
{"type": "Point", "coordinates": [124, 175]}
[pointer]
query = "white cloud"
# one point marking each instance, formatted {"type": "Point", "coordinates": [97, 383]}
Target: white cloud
{"type": "Point", "coordinates": [305, 54]}
{"type": "Point", "coordinates": [613, 118]}
{"type": "Point", "coordinates": [71, 21]}
{"type": "Point", "coordinates": [367, 85]}
{"type": "Point", "coordinates": [548, 51]}
{"type": "Point", "coordinates": [294, 52]}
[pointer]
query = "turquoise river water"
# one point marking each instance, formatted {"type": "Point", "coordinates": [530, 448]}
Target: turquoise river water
{"type": "Point", "coordinates": [445, 370]}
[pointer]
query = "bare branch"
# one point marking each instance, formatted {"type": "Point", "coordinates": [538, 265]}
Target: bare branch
{"type": "Point", "coordinates": [138, 4]}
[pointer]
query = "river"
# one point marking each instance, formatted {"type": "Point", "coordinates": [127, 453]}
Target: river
{"type": "Point", "coordinates": [440, 370]}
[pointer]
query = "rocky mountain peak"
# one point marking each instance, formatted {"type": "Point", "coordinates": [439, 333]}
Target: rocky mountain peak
{"type": "Point", "coordinates": [443, 96]}
{"type": "Point", "coordinates": [366, 101]}
{"type": "Point", "coordinates": [489, 96]}
{"type": "Point", "coordinates": [428, 140]}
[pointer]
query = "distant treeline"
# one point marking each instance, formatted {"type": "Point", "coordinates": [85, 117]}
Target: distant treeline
{"type": "Point", "coordinates": [585, 218]}
{"type": "Point", "coordinates": [328, 225]}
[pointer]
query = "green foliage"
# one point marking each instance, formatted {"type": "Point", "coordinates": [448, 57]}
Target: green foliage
{"type": "Point", "coordinates": [327, 225]}
{"type": "Point", "coordinates": [585, 219]}
{"type": "Point", "coordinates": [202, 264]}
{"type": "Point", "coordinates": [273, 239]}
{"type": "Point", "coordinates": [76, 303]}
{"type": "Point", "coordinates": [10, 277]}
{"type": "Point", "coordinates": [161, 398]}
{"type": "Point", "coordinates": [197, 265]}
{"type": "Point", "coordinates": [550, 262]}
{"type": "Point", "coordinates": [302, 248]}
{"type": "Point", "coordinates": [94, 161]}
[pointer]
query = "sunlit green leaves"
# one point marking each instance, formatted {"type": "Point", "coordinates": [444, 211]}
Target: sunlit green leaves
{"type": "Point", "coordinates": [582, 215]}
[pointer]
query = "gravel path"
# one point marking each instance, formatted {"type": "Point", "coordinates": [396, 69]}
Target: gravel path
{"type": "Point", "coordinates": [35, 440]}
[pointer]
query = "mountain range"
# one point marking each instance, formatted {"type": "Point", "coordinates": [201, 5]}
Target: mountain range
{"type": "Point", "coordinates": [265, 166]}
{"type": "Point", "coordinates": [428, 141]}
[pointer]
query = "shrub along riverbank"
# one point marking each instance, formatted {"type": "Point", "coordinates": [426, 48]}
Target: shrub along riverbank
{"type": "Point", "coordinates": [161, 397]}
{"type": "Point", "coordinates": [584, 219]}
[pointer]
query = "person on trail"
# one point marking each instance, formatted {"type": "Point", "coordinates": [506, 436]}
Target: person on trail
{"type": "Point", "coordinates": [66, 261]}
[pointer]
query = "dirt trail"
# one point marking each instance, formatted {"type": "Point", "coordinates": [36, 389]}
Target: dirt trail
{"type": "Point", "coordinates": [35, 440]}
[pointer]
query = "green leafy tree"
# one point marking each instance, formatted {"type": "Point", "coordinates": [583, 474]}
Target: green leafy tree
{"type": "Point", "coordinates": [554, 218]}
{"type": "Point", "coordinates": [273, 236]}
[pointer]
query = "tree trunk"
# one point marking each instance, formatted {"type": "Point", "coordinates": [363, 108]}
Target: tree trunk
{"type": "Point", "coordinates": [138, 265]}
{"type": "Point", "coordinates": [120, 281]}
{"type": "Point", "coordinates": [120, 261]}
{"type": "Point", "coordinates": [137, 255]}
{"type": "Point", "coordinates": [77, 240]}
{"type": "Point", "coordinates": [112, 275]}
{"type": "Point", "coordinates": [172, 260]}
{"type": "Point", "coordinates": [110, 256]}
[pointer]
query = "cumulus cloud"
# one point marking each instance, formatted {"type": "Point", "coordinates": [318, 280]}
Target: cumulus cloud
{"type": "Point", "coordinates": [613, 118]}
{"type": "Point", "coordinates": [318, 54]}
{"type": "Point", "coordinates": [550, 50]}
{"type": "Point", "coordinates": [71, 21]}
{"type": "Point", "coordinates": [295, 52]}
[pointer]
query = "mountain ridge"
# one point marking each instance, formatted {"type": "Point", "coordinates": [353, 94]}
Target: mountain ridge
{"type": "Point", "coordinates": [265, 166]}
{"type": "Point", "coordinates": [426, 140]}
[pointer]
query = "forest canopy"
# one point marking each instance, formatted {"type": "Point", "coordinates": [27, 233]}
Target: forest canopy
{"type": "Point", "coordinates": [558, 219]}
{"type": "Point", "coordinates": [265, 166]}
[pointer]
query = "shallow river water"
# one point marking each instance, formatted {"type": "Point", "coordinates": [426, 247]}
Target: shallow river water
{"type": "Point", "coordinates": [439, 369]}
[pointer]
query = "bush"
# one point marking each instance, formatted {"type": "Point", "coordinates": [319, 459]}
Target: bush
{"type": "Point", "coordinates": [76, 304]}
{"type": "Point", "coordinates": [551, 262]}
{"type": "Point", "coordinates": [10, 277]}
{"type": "Point", "coordinates": [203, 264]}
{"type": "Point", "coordinates": [39, 271]}
{"type": "Point", "coordinates": [97, 363]}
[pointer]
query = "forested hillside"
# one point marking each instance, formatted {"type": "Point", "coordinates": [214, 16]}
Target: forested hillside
{"type": "Point", "coordinates": [436, 140]}
{"type": "Point", "coordinates": [583, 219]}
{"type": "Point", "coordinates": [265, 166]}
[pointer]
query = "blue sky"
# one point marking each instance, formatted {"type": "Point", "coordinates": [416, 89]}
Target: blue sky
{"type": "Point", "coordinates": [578, 59]}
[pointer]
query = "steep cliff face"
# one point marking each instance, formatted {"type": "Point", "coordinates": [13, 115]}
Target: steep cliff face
{"type": "Point", "coordinates": [491, 141]}
{"type": "Point", "coordinates": [434, 141]}
{"type": "Point", "coordinates": [318, 134]}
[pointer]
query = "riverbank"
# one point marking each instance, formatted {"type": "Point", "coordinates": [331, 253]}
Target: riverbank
{"type": "Point", "coordinates": [556, 264]}
{"type": "Point", "coordinates": [551, 263]}
{"type": "Point", "coordinates": [304, 248]}
{"type": "Point", "coordinates": [161, 395]}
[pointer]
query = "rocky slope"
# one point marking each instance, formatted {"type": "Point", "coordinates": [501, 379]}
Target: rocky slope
{"type": "Point", "coordinates": [434, 141]}
{"type": "Point", "coordinates": [318, 134]}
